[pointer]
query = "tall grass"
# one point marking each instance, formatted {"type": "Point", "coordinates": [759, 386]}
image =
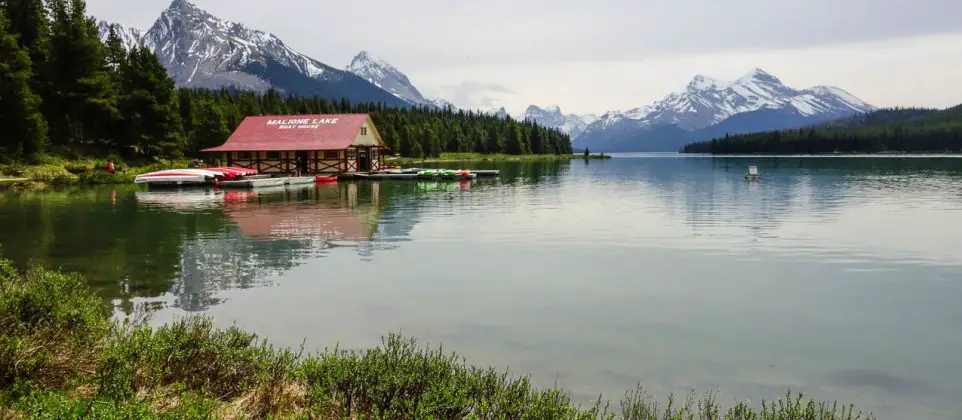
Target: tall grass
{"type": "Point", "coordinates": [62, 357]}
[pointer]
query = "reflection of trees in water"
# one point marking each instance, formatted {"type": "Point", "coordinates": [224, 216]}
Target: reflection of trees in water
{"type": "Point", "coordinates": [233, 261]}
{"type": "Point", "coordinates": [124, 249]}
{"type": "Point", "coordinates": [273, 232]}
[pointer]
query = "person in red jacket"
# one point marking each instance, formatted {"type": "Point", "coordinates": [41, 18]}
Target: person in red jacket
{"type": "Point", "coordinates": [110, 166]}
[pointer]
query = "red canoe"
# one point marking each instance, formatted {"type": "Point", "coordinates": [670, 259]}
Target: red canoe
{"type": "Point", "coordinates": [325, 179]}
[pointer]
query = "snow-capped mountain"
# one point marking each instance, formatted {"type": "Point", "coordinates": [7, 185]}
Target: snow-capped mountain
{"type": "Point", "coordinates": [552, 116]}
{"type": "Point", "coordinates": [385, 76]}
{"type": "Point", "coordinates": [201, 50]}
{"type": "Point", "coordinates": [498, 112]}
{"type": "Point", "coordinates": [708, 107]}
{"type": "Point", "coordinates": [442, 104]}
{"type": "Point", "coordinates": [129, 37]}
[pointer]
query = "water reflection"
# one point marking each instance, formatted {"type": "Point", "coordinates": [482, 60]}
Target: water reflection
{"type": "Point", "coordinates": [826, 276]}
{"type": "Point", "coordinates": [814, 207]}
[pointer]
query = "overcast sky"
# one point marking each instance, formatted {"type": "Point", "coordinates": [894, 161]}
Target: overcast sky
{"type": "Point", "coordinates": [599, 55]}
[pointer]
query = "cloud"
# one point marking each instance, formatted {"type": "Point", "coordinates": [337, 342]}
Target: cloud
{"type": "Point", "coordinates": [920, 71]}
{"type": "Point", "coordinates": [616, 54]}
{"type": "Point", "coordinates": [474, 94]}
{"type": "Point", "coordinates": [520, 32]}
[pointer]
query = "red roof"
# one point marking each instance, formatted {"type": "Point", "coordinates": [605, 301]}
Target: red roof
{"type": "Point", "coordinates": [293, 132]}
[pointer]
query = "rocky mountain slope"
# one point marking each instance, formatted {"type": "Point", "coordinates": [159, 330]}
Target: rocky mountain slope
{"type": "Point", "coordinates": [552, 116]}
{"type": "Point", "coordinates": [709, 108]}
{"type": "Point", "coordinates": [385, 76]}
{"type": "Point", "coordinates": [201, 50]}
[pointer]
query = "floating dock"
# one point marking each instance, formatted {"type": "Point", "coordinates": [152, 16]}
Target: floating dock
{"type": "Point", "coordinates": [267, 182]}
{"type": "Point", "coordinates": [413, 173]}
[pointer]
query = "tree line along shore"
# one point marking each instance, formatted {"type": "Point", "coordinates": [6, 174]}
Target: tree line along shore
{"type": "Point", "coordinates": [63, 356]}
{"type": "Point", "coordinates": [893, 130]}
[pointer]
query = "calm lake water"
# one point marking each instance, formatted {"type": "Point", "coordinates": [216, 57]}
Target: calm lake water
{"type": "Point", "coordinates": [839, 277]}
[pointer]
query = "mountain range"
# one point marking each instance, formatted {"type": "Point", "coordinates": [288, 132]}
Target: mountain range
{"type": "Point", "coordinates": [201, 50]}
{"type": "Point", "coordinates": [709, 108]}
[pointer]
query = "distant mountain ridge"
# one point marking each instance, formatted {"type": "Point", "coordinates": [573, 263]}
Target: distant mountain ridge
{"type": "Point", "coordinates": [551, 116]}
{"type": "Point", "coordinates": [203, 51]}
{"type": "Point", "coordinates": [200, 50]}
{"type": "Point", "coordinates": [707, 108]}
{"type": "Point", "coordinates": [385, 76]}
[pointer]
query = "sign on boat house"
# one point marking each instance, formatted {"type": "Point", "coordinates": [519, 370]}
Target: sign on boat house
{"type": "Point", "coordinates": [309, 144]}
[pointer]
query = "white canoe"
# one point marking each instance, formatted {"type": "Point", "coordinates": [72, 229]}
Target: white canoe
{"type": "Point", "coordinates": [177, 176]}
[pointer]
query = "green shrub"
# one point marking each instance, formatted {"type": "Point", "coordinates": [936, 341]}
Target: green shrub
{"type": "Point", "coordinates": [50, 326]}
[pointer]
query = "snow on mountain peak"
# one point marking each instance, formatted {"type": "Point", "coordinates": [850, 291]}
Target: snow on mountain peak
{"type": "Point", "coordinates": [201, 50]}
{"type": "Point", "coordinates": [700, 82]}
{"type": "Point", "coordinates": [129, 37]}
{"type": "Point", "coordinates": [551, 116]}
{"type": "Point", "coordinates": [385, 76]}
{"type": "Point", "coordinates": [759, 75]}
{"type": "Point", "coordinates": [706, 102]}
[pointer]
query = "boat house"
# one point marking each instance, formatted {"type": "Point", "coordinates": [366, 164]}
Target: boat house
{"type": "Point", "coordinates": [305, 144]}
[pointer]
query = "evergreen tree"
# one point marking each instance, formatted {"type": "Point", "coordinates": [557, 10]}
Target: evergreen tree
{"type": "Point", "coordinates": [25, 131]}
{"type": "Point", "coordinates": [151, 122]}
{"type": "Point", "coordinates": [514, 144]}
{"type": "Point", "coordinates": [116, 54]}
{"type": "Point", "coordinates": [211, 129]}
{"type": "Point", "coordinates": [27, 21]}
{"type": "Point", "coordinates": [81, 102]}
{"type": "Point", "coordinates": [432, 142]}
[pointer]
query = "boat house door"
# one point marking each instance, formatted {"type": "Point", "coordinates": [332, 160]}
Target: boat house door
{"type": "Point", "coordinates": [363, 160]}
{"type": "Point", "coordinates": [301, 161]}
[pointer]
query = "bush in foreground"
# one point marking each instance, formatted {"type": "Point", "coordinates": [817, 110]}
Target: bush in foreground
{"type": "Point", "coordinates": [61, 357]}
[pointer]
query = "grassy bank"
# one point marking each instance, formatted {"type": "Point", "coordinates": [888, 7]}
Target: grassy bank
{"type": "Point", "coordinates": [54, 170]}
{"type": "Point", "coordinates": [61, 356]}
{"type": "Point", "coordinates": [481, 157]}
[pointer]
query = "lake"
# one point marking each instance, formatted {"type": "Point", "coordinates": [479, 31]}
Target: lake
{"type": "Point", "coordinates": [840, 277]}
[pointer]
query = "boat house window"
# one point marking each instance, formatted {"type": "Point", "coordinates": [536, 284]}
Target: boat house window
{"type": "Point", "coordinates": [330, 155]}
{"type": "Point", "coordinates": [244, 155]}
{"type": "Point", "coordinates": [351, 153]}
{"type": "Point", "coordinates": [363, 131]}
{"type": "Point", "coordinates": [273, 155]}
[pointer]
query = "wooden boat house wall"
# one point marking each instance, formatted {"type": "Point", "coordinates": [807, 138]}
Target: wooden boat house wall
{"type": "Point", "coordinates": [309, 144]}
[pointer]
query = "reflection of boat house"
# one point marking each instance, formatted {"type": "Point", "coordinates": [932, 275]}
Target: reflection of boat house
{"type": "Point", "coordinates": [338, 215]}
{"type": "Point", "coordinates": [310, 144]}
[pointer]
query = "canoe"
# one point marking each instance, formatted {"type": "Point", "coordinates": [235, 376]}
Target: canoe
{"type": "Point", "coordinates": [232, 172]}
{"type": "Point", "coordinates": [177, 177]}
{"type": "Point", "coordinates": [299, 180]}
{"type": "Point", "coordinates": [325, 179]}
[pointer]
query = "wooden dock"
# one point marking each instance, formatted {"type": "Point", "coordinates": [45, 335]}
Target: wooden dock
{"type": "Point", "coordinates": [267, 182]}
{"type": "Point", "coordinates": [413, 174]}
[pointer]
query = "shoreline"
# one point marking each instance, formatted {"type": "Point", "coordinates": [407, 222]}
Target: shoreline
{"type": "Point", "coordinates": [56, 171]}
{"type": "Point", "coordinates": [64, 354]}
